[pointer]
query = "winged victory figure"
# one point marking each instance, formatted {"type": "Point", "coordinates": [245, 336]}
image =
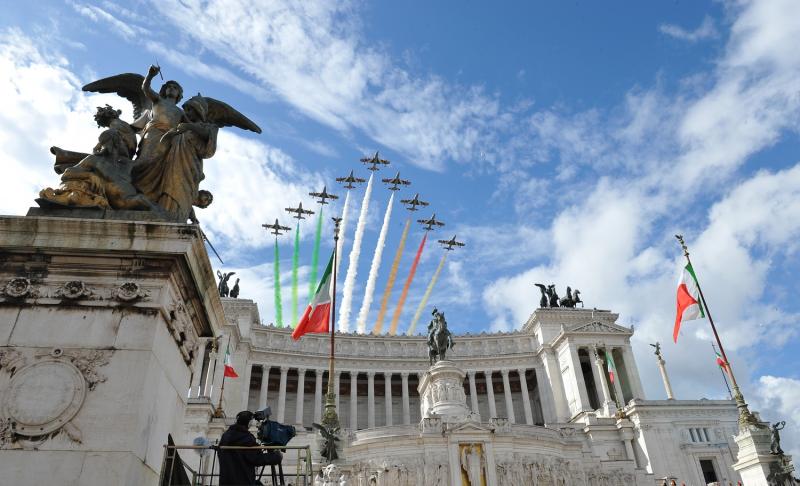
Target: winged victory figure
{"type": "Point", "coordinates": [173, 140]}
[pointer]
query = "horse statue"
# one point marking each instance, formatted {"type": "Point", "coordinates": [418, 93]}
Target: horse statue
{"type": "Point", "coordinates": [551, 292]}
{"type": "Point", "coordinates": [439, 337]}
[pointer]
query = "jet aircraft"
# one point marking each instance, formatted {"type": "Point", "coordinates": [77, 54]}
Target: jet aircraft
{"type": "Point", "coordinates": [299, 211]}
{"type": "Point", "coordinates": [350, 180]}
{"type": "Point", "coordinates": [430, 223]}
{"type": "Point", "coordinates": [323, 195]}
{"type": "Point", "coordinates": [413, 203]}
{"type": "Point", "coordinates": [276, 228]}
{"type": "Point", "coordinates": [375, 160]}
{"type": "Point", "coordinates": [449, 244]}
{"type": "Point", "coordinates": [395, 182]}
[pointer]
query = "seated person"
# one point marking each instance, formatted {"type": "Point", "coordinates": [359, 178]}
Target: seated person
{"type": "Point", "coordinates": [237, 467]}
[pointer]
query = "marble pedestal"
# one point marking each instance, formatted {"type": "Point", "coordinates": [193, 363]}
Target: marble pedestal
{"type": "Point", "coordinates": [441, 391]}
{"type": "Point", "coordinates": [756, 465]}
{"type": "Point", "coordinates": [99, 322]}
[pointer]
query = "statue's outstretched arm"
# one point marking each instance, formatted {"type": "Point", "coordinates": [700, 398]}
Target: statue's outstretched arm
{"type": "Point", "coordinates": [146, 89]}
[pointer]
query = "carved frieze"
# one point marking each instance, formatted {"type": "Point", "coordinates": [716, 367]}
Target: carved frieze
{"type": "Point", "coordinates": [73, 290]}
{"type": "Point", "coordinates": [18, 288]}
{"type": "Point", "coordinates": [129, 292]}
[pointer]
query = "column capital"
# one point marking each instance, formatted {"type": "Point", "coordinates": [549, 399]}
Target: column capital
{"type": "Point", "coordinates": [371, 374]}
{"type": "Point", "coordinates": [284, 369]}
{"type": "Point", "coordinates": [504, 373]}
{"type": "Point", "coordinates": [471, 373]}
{"type": "Point", "coordinates": [488, 372]}
{"type": "Point", "coordinates": [388, 374]}
{"type": "Point", "coordinates": [522, 371]}
{"type": "Point", "coordinates": [353, 374]}
{"type": "Point", "coordinates": [301, 371]}
{"type": "Point", "coordinates": [404, 375]}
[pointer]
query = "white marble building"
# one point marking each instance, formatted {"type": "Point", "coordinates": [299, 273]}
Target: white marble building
{"type": "Point", "coordinates": [538, 407]}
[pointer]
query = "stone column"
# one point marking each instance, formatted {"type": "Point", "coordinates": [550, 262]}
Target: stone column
{"type": "Point", "coordinates": [353, 400]}
{"type": "Point", "coordinates": [632, 371]}
{"type": "Point", "coordinates": [197, 369]}
{"type": "Point", "coordinates": [406, 406]}
{"type": "Point", "coordinates": [387, 395]}
{"type": "Point", "coordinates": [546, 398]}
{"type": "Point", "coordinates": [490, 395]}
{"type": "Point", "coordinates": [526, 399]}
{"type": "Point", "coordinates": [555, 384]}
{"type": "Point", "coordinates": [301, 395]}
{"type": "Point", "coordinates": [336, 388]}
{"type": "Point", "coordinates": [600, 376]}
{"type": "Point", "coordinates": [580, 381]}
{"type": "Point", "coordinates": [248, 368]}
{"type": "Point", "coordinates": [282, 395]}
{"type": "Point", "coordinates": [507, 392]}
{"type": "Point", "coordinates": [617, 386]}
{"type": "Point", "coordinates": [473, 393]}
{"type": "Point", "coordinates": [371, 399]}
{"type": "Point", "coordinates": [318, 396]}
{"type": "Point", "coordinates": [663, 369]}
{"type": "Point", "coordinates": [262, 395]}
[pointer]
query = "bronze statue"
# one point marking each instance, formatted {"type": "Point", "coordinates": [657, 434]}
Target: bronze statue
{"type": "Point", "coordinates": [551, 292]}
{"type": "Point", "coordinates": [329, 446]}
{"type": "Point", "coordinates": [544, 300]}
{"type": "Point", "coordinates": [100, 180]}
{"type": "Point", "coordinates": [168, 165]}
{"type": "Point", "coordinates": [235, 290]}
{"type": "Point", "coordinates": [775, 444]}
{"type": "Point", "coordinates": [439, 337]}
{"type": "Point", "coordinates": [222, 287]}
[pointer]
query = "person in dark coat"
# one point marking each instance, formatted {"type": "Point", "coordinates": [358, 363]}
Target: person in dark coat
{"type": "Point", "coordinates": [237, 467]}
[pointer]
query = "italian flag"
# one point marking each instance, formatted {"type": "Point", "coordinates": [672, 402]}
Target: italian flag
{"type": "Point", "coordinates": [317, 316]}
{"type": "Point", "coordinates": [689, 307]}
{"type": "Point", "coordinates": [721, 361]}
{"type": "Point", "coordinates": [612, 368]}
{"type": "Point", "coordinates": [229, 371]}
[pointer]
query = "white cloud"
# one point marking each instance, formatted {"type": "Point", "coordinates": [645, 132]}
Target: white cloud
{"type": "Point", "coordinates": [706, 30]}
{"type": "Point", "coordinates": [779, 399]}
{"type": "Point", "coordinates": [312, 56]}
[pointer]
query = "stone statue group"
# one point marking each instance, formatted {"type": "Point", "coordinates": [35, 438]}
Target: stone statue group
{"type": "Point", "coordinates": [155, 162]}
{"type": "Point", "coordinates": [550, 297]}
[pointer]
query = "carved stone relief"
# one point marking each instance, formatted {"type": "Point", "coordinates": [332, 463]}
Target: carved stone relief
{"type": "Point", "coordinates": [44, 395]}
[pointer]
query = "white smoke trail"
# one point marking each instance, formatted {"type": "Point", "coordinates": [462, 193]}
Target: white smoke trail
{"type": "Point", "coordinates": [373, 271]}
{"type": "Point", "coordinates": [342, 231]}
{"type": "Point", "coordinates": [352, 269]}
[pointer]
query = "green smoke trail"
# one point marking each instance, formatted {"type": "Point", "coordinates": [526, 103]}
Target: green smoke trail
{"type": "Point", "coordinates": [312, 282]}
{"type": "Point", "coordinates": [425, 297]}
{"type": "Point", "coordinates": [295, 265]}
{"type": "Point", "coordinates": [277, 286]}
{"type": "Point", "coordinates": [390, 283]}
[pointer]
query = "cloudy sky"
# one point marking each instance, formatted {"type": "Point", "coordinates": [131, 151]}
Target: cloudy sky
{"type": "Point", "coordinates": [564, 144]}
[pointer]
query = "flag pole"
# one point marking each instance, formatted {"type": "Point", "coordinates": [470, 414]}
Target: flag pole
{"type": "Point", "coordinates": [330, 418]}
{"type": "Point", "coordinates": [745, 416]}
{"type": "Point", "coordinates": [218, 412]}
{"type": "Point", "coordinates": [722, 372]}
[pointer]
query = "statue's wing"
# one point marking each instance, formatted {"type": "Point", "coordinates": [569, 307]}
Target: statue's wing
{"type": "Point", "coordinates": [541, 286]}
{"type": "Point", "coordinates": [224, 115]}
{"type": "Point", "coordinates": [322, 430]}
{"type": "Point", "coordinates": [127, 85]}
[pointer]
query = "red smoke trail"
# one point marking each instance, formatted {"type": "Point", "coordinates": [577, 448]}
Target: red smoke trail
{"type": "Point", "coordinates": [402, 301]}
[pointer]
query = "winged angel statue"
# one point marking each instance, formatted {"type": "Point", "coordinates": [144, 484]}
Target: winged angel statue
{"type": "Point", "coordinates": [163, 170]}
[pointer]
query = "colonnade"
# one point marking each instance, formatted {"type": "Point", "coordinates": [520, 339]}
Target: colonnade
{"type": "Point", "coordinates": [396, 402]}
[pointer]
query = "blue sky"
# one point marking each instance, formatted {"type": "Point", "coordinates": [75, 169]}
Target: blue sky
{"type": "Point", "coordinates": [564, 142]}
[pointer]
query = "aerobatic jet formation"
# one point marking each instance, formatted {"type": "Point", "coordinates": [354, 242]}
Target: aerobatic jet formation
{"type": "Point", "coordinates": [299, 211]}
{"type": "Point", "coordinates": [430, 223]}
{"type": "Point", "coordinates": [395, 182]}
{"type": "Point", "coordinates": [413, 203]}
{"type": "Point", "coordinates": [350, 180]}
{"type": "Point", "coordinates": [375, 160]}
{"type": "Point", "coordinates": [276, 229]}
{"type": "Point", "coordinates": [323, 195]}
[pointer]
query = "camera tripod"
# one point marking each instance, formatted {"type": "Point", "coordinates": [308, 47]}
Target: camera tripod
{"type": "Point", "coordinates": [277, 477]}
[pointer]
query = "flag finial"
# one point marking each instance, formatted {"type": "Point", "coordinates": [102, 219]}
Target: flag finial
{"type": "Point", "coordinates": [683, 245]}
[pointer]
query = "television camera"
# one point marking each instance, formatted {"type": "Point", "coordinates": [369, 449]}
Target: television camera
{"type": "Point", "coordinates": [270, 432]}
